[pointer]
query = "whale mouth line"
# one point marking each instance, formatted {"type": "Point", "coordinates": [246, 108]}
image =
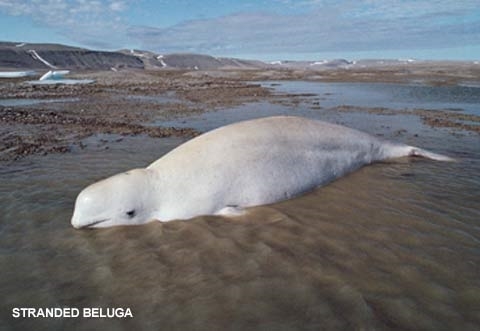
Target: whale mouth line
{"type": "Point", "coordinates": [91, 225]}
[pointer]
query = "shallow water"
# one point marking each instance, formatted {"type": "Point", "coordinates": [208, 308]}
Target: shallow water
{"type": "Point", "coordinates": [394, 246]}
{"type": "Point", "coordinates": [167, 98]}
{"type": "Point", "coordinates": [30, 102]}
{"type": "Point", "coordinates": [464, 97]}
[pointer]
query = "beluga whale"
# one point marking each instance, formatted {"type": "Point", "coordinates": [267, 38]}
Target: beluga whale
{"type": "Point", "coordinates": [226, 170]}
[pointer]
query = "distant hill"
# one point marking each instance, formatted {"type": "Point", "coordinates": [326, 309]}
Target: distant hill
{"type": "Point", "coordinates": [25, 56]}
{"type": "Point", "coordinates": [192, 61]}
{"type": "Point", "coordinates": [28, 56]}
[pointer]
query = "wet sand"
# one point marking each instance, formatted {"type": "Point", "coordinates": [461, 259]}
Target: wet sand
{"type": "Point", "coordinates": [394, 246]}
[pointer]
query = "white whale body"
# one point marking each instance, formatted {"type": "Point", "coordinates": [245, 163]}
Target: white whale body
{"type": "Point", "coordinates": [240, 165]}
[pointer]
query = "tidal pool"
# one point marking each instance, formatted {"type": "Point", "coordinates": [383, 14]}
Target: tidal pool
{"type": "Point", "coordinates": [464, 97]}
{"type": "Point", "coordinates": [30, 102]}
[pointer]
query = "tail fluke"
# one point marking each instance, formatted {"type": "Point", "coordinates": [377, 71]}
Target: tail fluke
{"type": "Point", "coordinates": [394, 150]}
{"type": "Point", "coordinates": [415, 151]}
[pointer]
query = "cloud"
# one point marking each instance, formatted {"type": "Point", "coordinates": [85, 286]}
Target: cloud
{"type": "Point", "coordinates": [96, 23]}
{"type": "Point", "coordinates": [281, 27]}
{"type": "Point", "coordinates": [118, 6]}
{"type": "Point", "coordinates": [323, 26]}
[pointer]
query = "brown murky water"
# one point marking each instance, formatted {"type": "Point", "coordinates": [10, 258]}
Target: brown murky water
{"type": "Point", "coordinates": [394, 246]}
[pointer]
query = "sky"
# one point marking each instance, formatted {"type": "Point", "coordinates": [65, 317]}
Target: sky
{"type": "Point", "coordinates": [264, 30]}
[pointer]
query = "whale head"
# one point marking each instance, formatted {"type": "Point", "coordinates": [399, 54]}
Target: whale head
{"type": "Point", "coordinates": [123, 199]}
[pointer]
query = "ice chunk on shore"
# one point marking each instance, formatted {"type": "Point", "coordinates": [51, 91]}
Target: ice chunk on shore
{"type": "Point", "coordinates": [16, 74]}
{"type": "Point", "coordinates": [57, 74]}
{"type": "Point", "coordinates": [61, 81]}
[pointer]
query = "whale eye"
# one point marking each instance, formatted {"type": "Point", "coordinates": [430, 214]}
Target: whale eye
{"type": "Point", "coordinates": [131, 213]}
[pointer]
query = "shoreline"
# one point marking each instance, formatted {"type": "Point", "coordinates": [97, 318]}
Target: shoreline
{"type": "Point", "coordinates": [129, 102]}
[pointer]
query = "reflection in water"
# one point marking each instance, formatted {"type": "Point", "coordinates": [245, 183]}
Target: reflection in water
{"type": "Point", "coordinates": [394, 246]}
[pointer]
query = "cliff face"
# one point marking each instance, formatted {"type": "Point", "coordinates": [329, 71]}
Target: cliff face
{"type": "Point", "coordinates": [50, 56]}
